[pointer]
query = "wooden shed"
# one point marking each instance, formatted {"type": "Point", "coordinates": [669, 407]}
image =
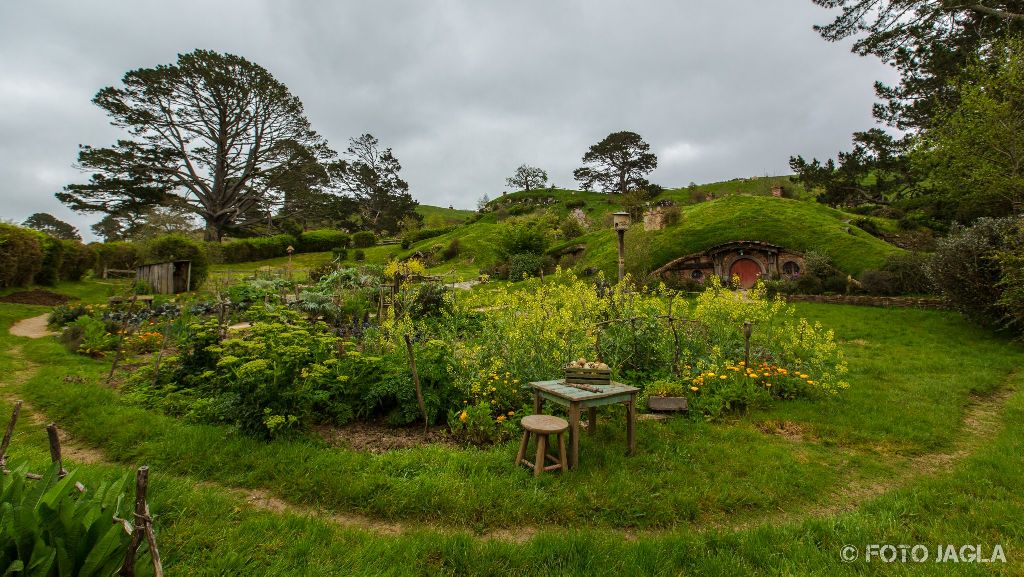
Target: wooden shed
{"type": "Point", "coordinates": [166, 277]}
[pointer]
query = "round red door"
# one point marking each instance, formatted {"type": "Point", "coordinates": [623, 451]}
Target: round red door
{"type": "Point", "coordinates": [747, 270]}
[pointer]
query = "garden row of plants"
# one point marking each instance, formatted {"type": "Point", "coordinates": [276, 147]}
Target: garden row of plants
{"type": "Point", "coordinates": [321, 354]}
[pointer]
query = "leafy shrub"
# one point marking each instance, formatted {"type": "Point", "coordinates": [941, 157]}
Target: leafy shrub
{"type": "Point", "coordinates": [965, 268]}
{"type": "Point", "coordinates": [430, 299]}
{"type": "Point", "coordinates": [339, 253]}
{"type": "Point", "coordinates": [322, 240]}
{"type": "Point", "coordinates": [259, 248]}
{"type": "Point", "coordinates": [575, 203]}
{"type": "Point", "coordinates": [524, 237]}
{"type": "Point", "coordinates": [318, 272]}
{"type": "Point", "coordinates": [902, 273]}
{"type": "Point", "coordinates": [78, 259]}
{"type": "Point", "coordinates": [280, 376]}
{"type": "Point", "coordinates": [90, 336]}
{"type": "Point", "coordinates": [477, 424]}
{"type": "Point", "coordinates": [535, 331]}
{"type": "Point", "coordinates": [316, 305]}
{"type": "Point", "coordinates": [172, 247]}
{"type": "Point", "coordinates": [820, 275]}
{"type": "Point", "coordinates": [671, 215]}
{"type": "Point", "coordinates": [51, 529]}
{"type": "Point", "coordinates": [21, 255]}
{"type": "Point", "coordinates": [524, 265]}
{"type": "Point", "coordinates": [452, 250]}
{"type": "Point", "coordinates": [734, 390]}
{"type": "Point", "coordinates": [571, 228]}
{"type": "Point", "coordinates": [246, 294]}
{"type": "Point", "coordinates": [1011, 260]}
{"type": "Point", "coordinates": [359, 256]}
{"type": "Point", "coordinates": [61, 315]}
{"type": "Point", "coordinates": [116, 255]}
{"type": "Point", "coordinates": [879, 282]}
{"type": "Point", "coordinates": [364, 239]}
{"type": "Point", "coordinates": [635, 341]}
{"type": "Point", "coordinates": [867, 225]}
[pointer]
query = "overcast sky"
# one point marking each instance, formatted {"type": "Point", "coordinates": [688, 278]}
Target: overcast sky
{"type": "Point", "coordinates": [462, 91]}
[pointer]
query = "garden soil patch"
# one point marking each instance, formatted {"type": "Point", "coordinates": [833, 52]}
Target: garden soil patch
{"type": "Point", "coordinates": [35, 297]}
{"type": "Point", "coordinates": [379, 437]}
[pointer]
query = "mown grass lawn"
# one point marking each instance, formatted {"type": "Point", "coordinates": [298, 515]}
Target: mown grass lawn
{"type": "Point", "coordinates": [887, 462]}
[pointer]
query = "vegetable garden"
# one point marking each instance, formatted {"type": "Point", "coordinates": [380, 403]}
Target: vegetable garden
{"type": "Point", "coordinates": [253, 387]}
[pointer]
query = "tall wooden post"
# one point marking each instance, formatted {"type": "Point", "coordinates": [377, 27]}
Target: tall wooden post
{"type": "Point", "coordinates": [51, 432]}
{"type": "Point", "coordinates": [622, 253]}
{"type": "Point", "coordinates": [620, 222]}
{"type": "Point", "coordinates": [416, 383]}
{"type": "Point", "coordinates": [7, 435]}
{"type": "Point", "coordinates": [748, 328]}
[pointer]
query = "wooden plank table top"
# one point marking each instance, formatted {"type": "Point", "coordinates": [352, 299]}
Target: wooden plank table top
{"type": "Point", "coordinates": [576, 399]}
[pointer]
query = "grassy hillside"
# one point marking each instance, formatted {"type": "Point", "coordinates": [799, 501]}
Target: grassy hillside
{"type": "Point", "coordinates": [744, 211]}
{"type": "Point", "coordinates": [793, 224]}
{"type": "Point", "coordinates": [438, 217]}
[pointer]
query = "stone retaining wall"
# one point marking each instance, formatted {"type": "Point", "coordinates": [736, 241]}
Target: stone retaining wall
{"type": "Point", "coordinates": [872, 301]}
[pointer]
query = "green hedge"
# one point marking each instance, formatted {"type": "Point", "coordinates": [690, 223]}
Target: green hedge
{"type": "Point", "coordinates": [259, 248]}
{"type": "Point", "coordinates": [363, 239]}
{"type": "Point", "coordinates": [424, 234]}
{"type": "Point", "coordinates": [21, 255]}
{"type": "Point", "coordinates": [116, 255]}
{"type": "Point", "coordinates": [78, 259]}
{"type": "Point", "coordinates": [323, 240]}
{"type": "Point", "coordinates": [53, 257]}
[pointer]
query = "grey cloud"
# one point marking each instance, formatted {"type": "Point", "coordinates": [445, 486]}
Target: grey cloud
{"type": "Point", "coordinates": [463, 91]}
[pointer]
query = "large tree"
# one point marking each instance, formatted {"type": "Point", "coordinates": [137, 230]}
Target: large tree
{"type": "Point", "coordinates": [618, 163]}
{"type": "Point", "coordinates": [213, 133]}
{"type": "Point", "coordinates": [873, 172]}
{"type": "Point", "coordinates": [527, 178]}
{"type": "Point", "coordinates": [977, 148]}
{"type": "Point", "coordinates": [53, 226]}
{"type": "Point", "coordinates": [930, 43]}
{"type": "Point", "coordinates": [370, 174]}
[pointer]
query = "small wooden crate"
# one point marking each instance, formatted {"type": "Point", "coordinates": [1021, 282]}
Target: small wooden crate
{"type": "Point", "coordinates": [588, 376]}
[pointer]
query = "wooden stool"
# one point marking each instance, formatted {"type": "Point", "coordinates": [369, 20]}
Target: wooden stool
{"type": "Point", "coordinates": [541, 426]}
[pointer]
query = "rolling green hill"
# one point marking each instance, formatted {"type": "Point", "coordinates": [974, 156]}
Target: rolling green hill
{"type": "Point", "coordinates": [438, 217]}
{"type": "Point", "coordinates": [744, 211]}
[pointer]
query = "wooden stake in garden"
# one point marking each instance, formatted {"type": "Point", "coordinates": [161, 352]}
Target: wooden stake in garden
{"type": "Point", "coordinates": [7, 436]}
{"type": "Point", "coordinates": [748, 328]}
{"type": "Point", "coordinates": [160, 353]}
{"type": "Point", "coordinates": [121, 334]}
{"type": "Point", "coordinates": [143, 528]}
{"type": "Point", "coordinates": [51, 432]}
{"type": "Point", "coordinates": [416, 382]}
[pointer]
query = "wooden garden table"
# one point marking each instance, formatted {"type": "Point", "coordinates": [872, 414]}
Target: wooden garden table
{"type": "Point", "coordinates": [577, 399]}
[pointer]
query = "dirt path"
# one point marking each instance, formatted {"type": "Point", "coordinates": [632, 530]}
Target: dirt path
{"type": "Point", "coordinates": [70, 450]}
{"type": "Point", "coordinates": [981, 422]}
{"type": "Point", "coordinates": [33, 328]}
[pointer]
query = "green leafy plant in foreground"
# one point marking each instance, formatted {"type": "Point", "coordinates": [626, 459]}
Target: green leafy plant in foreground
{"type": "Point", "coordinates": [49, 528]}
